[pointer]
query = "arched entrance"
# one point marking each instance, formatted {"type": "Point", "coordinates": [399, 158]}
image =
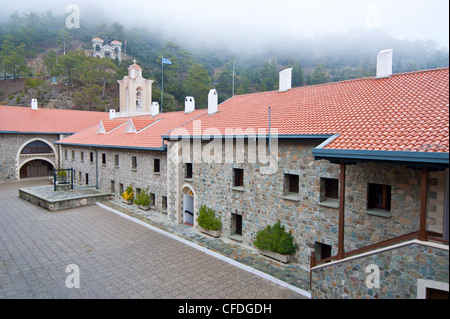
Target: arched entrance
{"type": "Point", "coordinates": [36, 168]}
{"type": "Point", "coordinates": [188, 206]}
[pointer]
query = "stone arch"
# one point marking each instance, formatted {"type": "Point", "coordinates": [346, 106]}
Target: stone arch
{"type": "Point", "coordinates": [188, 202]}
{"type": "Point", "coordinates": [36, 167]}
{"type": "Point", "coordinates": [22, 159]}
{"type": "Point", "coordinates": [25, 144]}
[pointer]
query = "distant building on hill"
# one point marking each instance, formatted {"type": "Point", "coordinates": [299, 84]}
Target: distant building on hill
{"type": "Point", "coordinates": [112, 50]}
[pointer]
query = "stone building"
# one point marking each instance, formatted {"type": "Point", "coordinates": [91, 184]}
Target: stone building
{"type": "Point", "coordinates": [28, 136]}
{"type": "Point", "coordinates": [112, 50]}
{"type": "Point", "coordinates": [356, 171]}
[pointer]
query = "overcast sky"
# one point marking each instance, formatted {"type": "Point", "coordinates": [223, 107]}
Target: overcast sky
{"type": "Point", "coordinates": [254, 21]}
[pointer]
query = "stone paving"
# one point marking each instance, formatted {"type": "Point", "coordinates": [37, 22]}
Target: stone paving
{"type": "Point", "coordinates": [115, 257]}
{"type": "Point", "coordinates": [292, 274]}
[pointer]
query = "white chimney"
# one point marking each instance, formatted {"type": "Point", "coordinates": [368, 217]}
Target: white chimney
{"type": "Point", "coordinates": [212, 101]}
{"type": "Point", "coordinates": [189, 104]}
{"type": "Point", "coordinates": [34, 105]}
{"type": "Point", "coordinates": [384, 63]}
{"type": "Point", "coordinates": [112, 114]}
{"type": "Point", "coordinates": [154, 110]}
{"type": "Point", "coordinates": [285, 80]}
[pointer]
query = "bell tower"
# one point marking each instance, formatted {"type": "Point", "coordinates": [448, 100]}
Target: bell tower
{"type": "Point", "coordinates": [135, 92]}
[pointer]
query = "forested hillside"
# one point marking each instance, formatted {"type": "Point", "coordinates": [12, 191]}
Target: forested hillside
{"type": "Point", "coordinates": [36, 46]}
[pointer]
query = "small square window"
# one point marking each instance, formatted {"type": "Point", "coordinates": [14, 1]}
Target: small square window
{"type": "Point", "coordinates": [103, 158]}
{"type": "Point", "coordinates": [134, 162]}
{"type": "Point", "coordinates": [152, 199]}
{"type": "Point", "coordinates": [121, 188]}
{"type": "Point", "coordinates": [65, 154]}
{"type": "Point", "coordinates": [238, 180]}
{"type": "Point", "coordinates": [113, 187]}
{"type": "Point", "coordinates": [379, 197]}
{"type": "Point", "coordinates": [91, 157]}
{"type": "Point", "coordinates": [73, 155]}
{"type": "Point", "coordinates": [82, 156]}
{"type": "Point", "coordinates": [156, 165]}
{"type": "Point", "coordinates": [291, 184]}
{"type": "Point", "coordinates": [87, 179]}
{"type": "Point", "coordinates": [116, 160]}
{"type": "Point", "coordinates": [188, 170]}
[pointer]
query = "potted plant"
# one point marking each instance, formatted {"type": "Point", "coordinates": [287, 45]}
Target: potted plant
{"type": "Point", "coordinates": [143, 200]}
{"type": "Point", "coordinates": [208, 223]}
{"type": "Point", "coordinates": [128, 195]}
{"type": "Point", "coordinates": [275, 242]}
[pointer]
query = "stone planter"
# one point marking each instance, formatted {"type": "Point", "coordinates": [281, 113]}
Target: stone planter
{"type": "Point", "coordinates": [212, 233]}
{"type": "Point", "coordinates": [127, 201]}
{"type": "Point", "coordinates": [144, 207]}
{"type": "Point", "coordinates": [271, 254]}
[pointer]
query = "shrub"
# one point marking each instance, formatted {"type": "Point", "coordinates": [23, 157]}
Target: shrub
{"type": "Point", "coordinates": [128, 194]}
{"type": "Point", "coordinates": [143, 198]}
{"type": "Point", "coordinates": [276, 239]}
{"type": "Point", "coordinates": [207, 219]}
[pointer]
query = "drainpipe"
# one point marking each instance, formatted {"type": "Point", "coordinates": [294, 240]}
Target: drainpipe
{"type": "Point", "coordinates": [96, 169]}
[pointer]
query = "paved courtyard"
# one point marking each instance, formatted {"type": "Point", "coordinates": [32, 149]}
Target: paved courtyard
{"type": "Point", "coordinates": [42, 253]}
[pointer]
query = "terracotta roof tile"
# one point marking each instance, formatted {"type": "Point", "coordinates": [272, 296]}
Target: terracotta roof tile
{"type": "Point", "coordinates": [25, 120]}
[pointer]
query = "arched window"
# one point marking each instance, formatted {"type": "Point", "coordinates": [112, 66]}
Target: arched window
{"type": "Point", "coordinates": [139, 99]}
{"type": "Point", "coordinates": [37, 147]}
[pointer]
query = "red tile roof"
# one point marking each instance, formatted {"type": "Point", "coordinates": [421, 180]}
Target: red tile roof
{"type": "Point", "coordinates": [148, 131]}
{"type": "Point", "coordinates": [405, 112]}
{"type": "Point", "coordinates": [25, 120]}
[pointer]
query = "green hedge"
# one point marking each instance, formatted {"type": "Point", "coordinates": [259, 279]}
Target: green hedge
{"type": "Point", "coordinates": [276, 239]}
{"type": "Point", "coordinates": [207, 219]}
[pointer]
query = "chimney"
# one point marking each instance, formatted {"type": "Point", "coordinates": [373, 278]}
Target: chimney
{"type": "Point", "coordinates": [154, 110]}
{"type": "Point", "coordinates": [384, 63]}
{"type": "Point", "coordinates": [112, 114]}
{"type": "Point", "coordinates": [189, 104]}
{"type": "Point", "coordinates": [34, 105]}
{"type": "Point", "coordinates": [212, 101]}
{"type": "Point", "coordinates": [285, 80]}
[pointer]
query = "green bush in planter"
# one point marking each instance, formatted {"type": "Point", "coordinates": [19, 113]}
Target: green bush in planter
{"type": "Point", "coordinates": [276, 239]}
{"type": "Point", "coordinates": [143, 198]}
{"type": "Point", "coordinates": [207, 219]}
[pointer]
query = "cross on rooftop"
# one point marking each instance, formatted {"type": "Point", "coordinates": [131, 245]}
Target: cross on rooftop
{"type": "Point", "coordinates": [134, 61]}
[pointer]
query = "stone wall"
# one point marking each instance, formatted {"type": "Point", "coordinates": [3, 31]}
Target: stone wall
{"type": "Point", "coordinates": [141, 177]}
{"type": "Point", "coordinates": [10, 145]}
{"type": "Point", "coordinates": [388, 274]}
{"type": "Point", "coordinates": [311, 220]}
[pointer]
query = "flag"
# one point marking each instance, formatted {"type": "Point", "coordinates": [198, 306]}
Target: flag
{"type": "Point", "coordinates": [166, 61]}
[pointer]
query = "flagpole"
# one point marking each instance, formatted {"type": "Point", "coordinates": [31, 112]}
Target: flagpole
{"type": "Point", "coordinates": [162, 82]}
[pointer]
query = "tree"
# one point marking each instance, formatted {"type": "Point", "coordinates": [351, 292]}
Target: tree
{"type": "Point", "coordinates": [297, 75]}
{"type": "Point", "coordinates": [70, 65]}
{"type": "Point", "coordinates": [50, 60]}
{"type": "Point", "coordinates": [318, 75]}
{"type": "Point", "coordinates": [89, 95]}
{"type": "Point", "coordinates": [12, 58]}
{"type": "Point", "coordinates": [197, 84]}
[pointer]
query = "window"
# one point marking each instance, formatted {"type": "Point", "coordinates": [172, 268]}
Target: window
{"type": "Point", "coordinates": [113, 187]}
{"type": "Point", "coordinates": [329, 192]}
{"type": "Point", "coordinates": [103, 158]}
{"type": "Point", "coordinates": [152, 199]}
{"type": "Point", "coordinates": [322, 251]}
{"type": "Point", "coordinates": [156, 165]}
{"type": "Point", "coordinates": [87, 179]}
{"type": "Point", "coordinates": [91, 157]}
{"type": "Point", "coordinates": [164, 203]}
{"type": "Point", "coordinates": [134, 162]}
{"type": "Point", "coordinates": [80, 177]}
{"type": "Point", "coordinates": [82, 156]}
{"type": "Point", "coordinates": [291, 182]}
{"type": "Point", "coordinates": [36, 147]}
{"type": "Point", "coordinates": [73, 155]}
{"type": "Point", "coordinates": [236, 226]}
{"type": "Point", "coordinates": [116, 160]}
{"type": "Point", "coordinates": [120, 188]}
{"type": "Point", "coordinates": [65, 154]}
{"type": "Point", "coordinates": [238, 178]}
{"type": "Point", "coordinates": [379, 197]}
{"type": "Point", "coordinates": [188, 171]}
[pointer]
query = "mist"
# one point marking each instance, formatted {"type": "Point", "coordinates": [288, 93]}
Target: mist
{"type": "Point", "coordinates": [251, 25]}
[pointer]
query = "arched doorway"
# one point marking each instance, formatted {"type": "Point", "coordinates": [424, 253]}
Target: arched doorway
{"type": "Point", "coordinates": [188, 206]}
{"type": "Point", "coordinates": [36, 168]}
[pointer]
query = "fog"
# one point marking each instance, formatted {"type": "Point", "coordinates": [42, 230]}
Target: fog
{"type": "Point", "coordinates": [254, 23]}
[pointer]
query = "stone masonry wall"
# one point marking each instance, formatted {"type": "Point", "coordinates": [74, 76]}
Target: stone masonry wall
{"type": "Point", "coordinates": [141, 177]}
{"type": "Point", "coordinates": [10, 145]}
{"type": "Point", "coordinates": [398, 272]}
{"type": "Point", "coordinates": [310, 220]}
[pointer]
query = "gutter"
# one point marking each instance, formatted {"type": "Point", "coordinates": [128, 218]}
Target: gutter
{"type": "Point", "coordinates": [162, 148]}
